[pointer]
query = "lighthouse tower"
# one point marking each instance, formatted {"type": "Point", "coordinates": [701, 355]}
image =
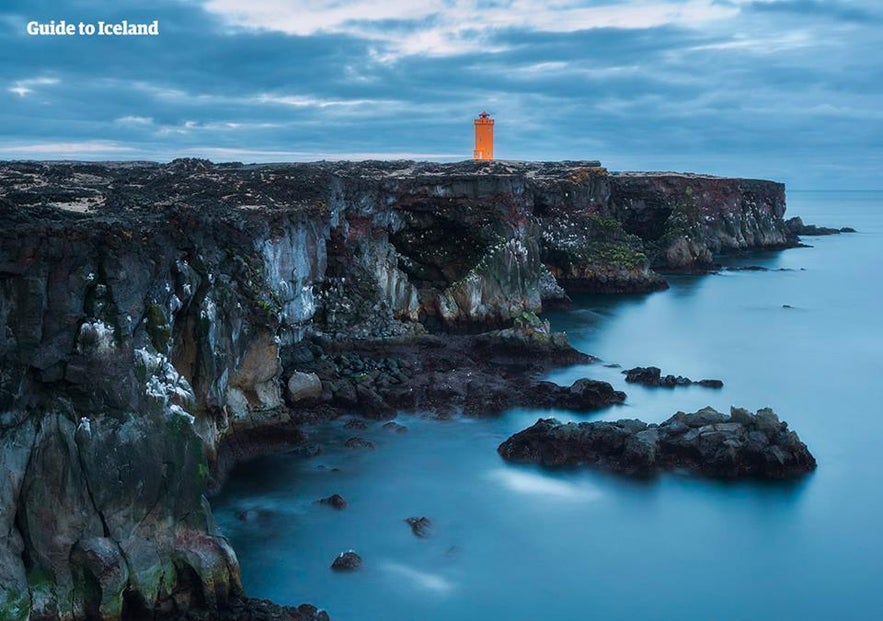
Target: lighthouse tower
{"type": "Point", "coordinates": [484, 137]}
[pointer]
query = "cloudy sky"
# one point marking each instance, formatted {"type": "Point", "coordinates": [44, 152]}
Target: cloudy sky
{"type": "Point", "coordinates": [783, 89]}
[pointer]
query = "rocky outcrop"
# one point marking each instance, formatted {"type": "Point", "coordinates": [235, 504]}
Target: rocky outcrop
{"type": "Point", "coordinates": [741, 445]}
{"type": "Point", "coordinates": [472, 375]}
{"type": "Point", "coordinates": [685, 219]}
{"type": "Point", "coordinates": [347, 561]}
{"type": "Point", "coordinates": [420, 526]}
{"type": "Point", "coordinates": [652, 376]}
{"type": "Point", "coordinates": [795, 226]}
{"type": "Point", "coordinates": [153, 321]}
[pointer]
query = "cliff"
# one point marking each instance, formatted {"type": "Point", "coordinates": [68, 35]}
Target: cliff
{"type": "Point", "coordinates": [152, 314]}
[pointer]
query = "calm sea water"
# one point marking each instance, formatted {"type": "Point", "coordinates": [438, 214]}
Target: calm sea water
{"type": "Point", "coordinates": [520, 543]}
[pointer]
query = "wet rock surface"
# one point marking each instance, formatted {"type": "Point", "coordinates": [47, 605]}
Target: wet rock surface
{"type": "Point", "coordinates": [706, 442]}
{"type": "Point", "coordinates": [335, 501]}
{"type": "Point", "coordinates": [347, 561]}
{"type": "Point", "coordinates": [478, 375]}
{"type": "Point", "coordinates": [652, 376]}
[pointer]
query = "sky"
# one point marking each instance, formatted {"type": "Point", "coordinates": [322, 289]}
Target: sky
{"type": "Point", "coordinates": [790, 90]}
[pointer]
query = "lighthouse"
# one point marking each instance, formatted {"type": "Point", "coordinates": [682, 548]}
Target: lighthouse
{"type": "Point", "coordinates": [484, 137]}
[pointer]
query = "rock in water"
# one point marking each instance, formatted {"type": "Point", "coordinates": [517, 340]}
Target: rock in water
{"type": "Point", "coordinates": [796, 226]}
{"type": "Point", "coordinates": [652, 376]}
{"type": "Point", "coordinates": [335, 501]}
{"type": "Point", "coordinates": [396, 427]}
{"type": "Point", "coordinates": [419, 526]}
{"type": "Point", "coordinates": [347, 561]}
{"type": "Point", "coordinates": [742, 445]}
{"type": "Point", "coordinates": [356, 442]}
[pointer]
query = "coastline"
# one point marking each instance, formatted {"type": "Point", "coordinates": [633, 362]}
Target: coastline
{"type": "Point", "coordinates": [148, 298]}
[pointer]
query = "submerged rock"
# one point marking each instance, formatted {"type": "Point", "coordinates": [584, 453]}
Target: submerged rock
{"type": "Point", "coordinates": [706, 442]}
{"type": "Point", "coordinates": [652, 376]}
{"type": "Point", "coordinates": [335, 501]}
{"type": "Point", "coordinates": [395, 427]}
{"type": "Point", "coordinates": [356, 442]}
{"type": "Point", "coordinates": [347, 561]}
{"type": "Point", "coordinates": [419, 526]}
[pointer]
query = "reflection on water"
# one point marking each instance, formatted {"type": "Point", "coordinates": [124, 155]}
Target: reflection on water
{"type": "Point", "coordinates": [520, 542]}
{"type": "Point", "coordinates": [543, 484]}
{"type": "Point", "coordinates": [414, 578]}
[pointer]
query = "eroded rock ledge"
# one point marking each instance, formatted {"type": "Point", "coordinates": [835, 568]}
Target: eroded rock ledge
{"type": "Point", "coordinates": [153, 314]}
{"type": "Point", "coordinates": [707, 442]}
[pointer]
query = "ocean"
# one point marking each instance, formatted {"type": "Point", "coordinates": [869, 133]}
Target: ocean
{"type": "Point", "coordinates": [515, 542]}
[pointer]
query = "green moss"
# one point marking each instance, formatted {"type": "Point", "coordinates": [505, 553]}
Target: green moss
{"type": "Point", "coordinates": [527, 319]}
{"type": "Point", "coordinates": [617, 254]}
{"type": "Point", "coordinates": [14, 606]}
{"type": "Point", "coordinates": [202, 473]}
{"type": "Point", "coordinates": [158, 329]}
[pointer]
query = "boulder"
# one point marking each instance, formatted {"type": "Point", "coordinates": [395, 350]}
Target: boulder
{"type": "Point", "coordinates": [356, 442]}
{"type": "Point", "coordinates": [347, 561]}
{"type": "Point", "coordinates": [304, 386]}
{"type": "Point", "coordinates": [335, 501]}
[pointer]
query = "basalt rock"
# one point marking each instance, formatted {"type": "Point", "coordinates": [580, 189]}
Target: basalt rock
{"type": "Point", "coordinates": [741, 445]}
{"type": "Point", "coordinates": [335, 501]}
{"type": "Point", "coordinates": [347, 561]}
{"type": "Point", "coordinates": [478, 375]}
{"type": "Point", "coordinates": [652, 376]}
{"type": "Point", "coordinates": [796, 226]}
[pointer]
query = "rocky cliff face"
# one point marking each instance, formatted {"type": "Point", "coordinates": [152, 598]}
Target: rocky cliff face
{"type": "Point", "coordinates": [145, 310]}
{"type": "Point", "coordinates": [684, 220]}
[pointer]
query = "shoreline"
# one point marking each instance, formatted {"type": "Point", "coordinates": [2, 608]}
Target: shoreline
{"type": "Point", "coordinates": [165, 314]}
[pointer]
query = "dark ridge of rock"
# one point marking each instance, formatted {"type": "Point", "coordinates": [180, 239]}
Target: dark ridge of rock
{"type": "Point", "coordinates": [652, 376]}
{"type": "Point", "coordinates": [395, 427]}
{"type": "Point", "coordinates": [420, 526]}
{"type": "Point", "coordinates": [335, 501]}
{"type": "Point", "coordinates": [240, 609]}
{"type": "Point", "coordinates": [796, 226]}
{"type": "Point", "coordinates": [755, 268]}
{"type": "Point", "coordinates": [478, 375]}
{"type": "Point", "coordinates": [347, 561]}
{"type": "Point", "coordinates": [742, 445]}
{"type": "Point", "coordinates": [356, 442]}
{"type": "Point", "coordinates": [710, 383]}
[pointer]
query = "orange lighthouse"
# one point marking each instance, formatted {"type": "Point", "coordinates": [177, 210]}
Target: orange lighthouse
{"type": "Point", "coordinates": [484, 137]}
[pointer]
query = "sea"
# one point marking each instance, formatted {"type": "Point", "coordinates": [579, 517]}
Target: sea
{"type": "Point", "coordinates": [523, 543]}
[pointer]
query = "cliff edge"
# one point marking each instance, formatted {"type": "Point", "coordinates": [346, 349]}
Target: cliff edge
{"type": "Point", "coordinates": [146, 311]}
